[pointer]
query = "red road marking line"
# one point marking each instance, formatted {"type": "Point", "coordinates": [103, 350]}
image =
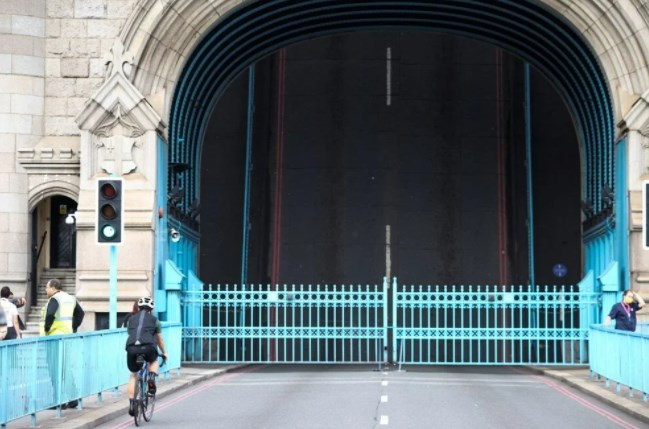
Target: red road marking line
{"type": "Point", "coordinates": [564, 391]}
{"type": "Point", "coordinates": [191, 393]}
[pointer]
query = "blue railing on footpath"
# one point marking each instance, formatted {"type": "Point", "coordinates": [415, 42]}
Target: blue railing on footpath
{"type": "Point", "coordinates": [621, 356]}
{"type": "Point", "coordinates": [39, 373]}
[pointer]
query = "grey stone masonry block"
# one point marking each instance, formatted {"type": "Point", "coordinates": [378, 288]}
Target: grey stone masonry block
{"type": "Point", "coordinates": [5, 24]}
{"type": "Point", "coordinates": [84, 48]}
{"type": "Point", "coordinates": [28, 65]}
{"type": "Point", "coordinates": [27, 104]}
{"type": "Point", "coordinates": [38, 126]}
{"type": "Point", "coordinates": [74, 28]}
{"type": "Point", "coordinates": [57, 47]}
{"type": "Point", "coordinates": [55, 106]}
{"type": "Point", "coordinates": [97, 67]}
{"type": "Point", "coordinates": [102, 29]}
{"type": "Point", "coordinates": [72, 67]}
{"type": "Point", "coordinates": [53, 28]}
{"type": "Point", "coordinates": [61, 126]}
{"type": "Point", "coordinates": [13, 44]}
{"type": "Point", "coordinates": [24, 7]}
{"type": "Point", "coordinates": [5, 63]}
{"type": "Point", "coordinates": [38, 86]}
{"type": "Point", "coordinates": [87, 87]}
{"type": "Point", "coordinates": [120, 9]}
{"type": "Point", "coordinates": [4, 187]}
{"type": "Point", "coordinates": [60, 8]}
{"type": "Point", "coordinates": [28, 26]}
{"type": "Point", "coordinates": [5, 103]}
{"type": "Point", "coordinates": [11, 84]}
{"type": "Point", "coordinates": [18, 184]}
{"type": "Point", "coordinates": [60, 87]}
{"type": "Point", "coordinates": [17, 124]}
{"type": "Point", "coordinates": [90, 8]}
{"type": "Point", "coordinates": [52, 67]}
{"type": "Point", "coordinates": [74, 105]}
{"type": "Point", "coordinates": [39, 48]}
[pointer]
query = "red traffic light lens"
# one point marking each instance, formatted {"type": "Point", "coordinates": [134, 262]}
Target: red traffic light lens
{"type": "Point", "coordinates": [108, 190]}
{"type": "Point", "coordinates": [108, 212]}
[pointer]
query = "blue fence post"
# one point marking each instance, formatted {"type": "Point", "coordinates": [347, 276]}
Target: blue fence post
{"type": "Point", "coordinates": [4, 373]}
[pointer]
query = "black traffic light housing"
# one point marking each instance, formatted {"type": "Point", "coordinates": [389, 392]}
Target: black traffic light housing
{"type": "Point", "coordinates": [110, 218]}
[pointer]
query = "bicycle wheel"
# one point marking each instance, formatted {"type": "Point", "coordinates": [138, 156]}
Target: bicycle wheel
{"type": "Point", "coordinates": [149, 403]}
{"type": "Point", "coordinates": [137, 403]}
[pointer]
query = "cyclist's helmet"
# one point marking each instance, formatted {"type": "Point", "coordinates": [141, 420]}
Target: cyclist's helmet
{"type": "Point", "coordinates": [145, 302]}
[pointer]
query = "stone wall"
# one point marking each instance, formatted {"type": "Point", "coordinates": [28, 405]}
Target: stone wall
{"type": "Point", "coordinates": [22, 92]}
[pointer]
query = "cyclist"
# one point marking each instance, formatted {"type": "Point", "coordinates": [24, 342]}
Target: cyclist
{"type": "Point", "coordinates": [144, 338]}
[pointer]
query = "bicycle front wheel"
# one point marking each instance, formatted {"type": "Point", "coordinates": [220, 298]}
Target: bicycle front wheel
{"type": "Point", "coordinates": [149, 405]}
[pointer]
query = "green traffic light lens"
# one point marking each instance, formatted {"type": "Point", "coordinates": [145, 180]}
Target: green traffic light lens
{"type": "Point", "coordinates": [108, 231]}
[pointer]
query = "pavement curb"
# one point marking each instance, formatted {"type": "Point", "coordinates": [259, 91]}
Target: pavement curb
{"type": "Point", "coordinates": [104, 414]}
{"type": "Point", "coordinates": [617, 401]}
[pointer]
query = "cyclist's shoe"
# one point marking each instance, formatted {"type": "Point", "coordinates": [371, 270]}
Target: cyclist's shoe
{"type": "Point", "coordinates": [152, 387]}
{"type": "Point", "coordinates": [131, 407]}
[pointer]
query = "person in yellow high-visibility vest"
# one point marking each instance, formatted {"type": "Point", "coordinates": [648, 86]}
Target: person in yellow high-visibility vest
{"type": "Point", "coordinates": [61, 315]}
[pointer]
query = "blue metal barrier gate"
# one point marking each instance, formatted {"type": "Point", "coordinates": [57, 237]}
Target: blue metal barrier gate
{"type": "Point", "coordinates": [309, 324]}
{"type": "Point", "coordinates": [491, 325]}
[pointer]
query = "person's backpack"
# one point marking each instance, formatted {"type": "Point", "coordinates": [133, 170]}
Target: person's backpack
{"type": "Point", "coordinates": [3, 323]}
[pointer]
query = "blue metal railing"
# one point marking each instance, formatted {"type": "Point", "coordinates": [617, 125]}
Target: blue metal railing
{"type": "Point", "coordinates": [39, 373]}
{"type": "Point", "coordinates": [490, 325]}
{"type": "Point", "coordinates": [621, 356]}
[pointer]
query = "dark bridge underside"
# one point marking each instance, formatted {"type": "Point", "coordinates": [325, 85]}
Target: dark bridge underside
{"type": "Point", "coordinates": [525, 28]}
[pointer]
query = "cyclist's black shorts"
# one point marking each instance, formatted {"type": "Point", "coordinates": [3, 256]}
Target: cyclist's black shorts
{"type": "Point", "coordinates": [148, 350]}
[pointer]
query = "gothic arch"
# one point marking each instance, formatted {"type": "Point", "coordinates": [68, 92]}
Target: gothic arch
{"type": "Point", "coordinates": [52, 188]}
{"type": "Point", "coordinates": [162, 35]}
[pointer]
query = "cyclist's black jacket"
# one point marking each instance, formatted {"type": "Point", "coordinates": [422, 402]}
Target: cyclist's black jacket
{"type": "Point", "coordinates": [141, 329]}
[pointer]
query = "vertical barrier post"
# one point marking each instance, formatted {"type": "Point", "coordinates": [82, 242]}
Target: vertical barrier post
{"type": "Point", "coordinates": [384, 343]}
{"type": "Point", "coordinates": [393, 325]}
{"type": "Point", "coordinates": [4, 372]}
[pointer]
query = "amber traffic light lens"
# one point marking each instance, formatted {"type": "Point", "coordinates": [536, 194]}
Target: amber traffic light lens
{"type": "Point", "coordinates": [108, 212]}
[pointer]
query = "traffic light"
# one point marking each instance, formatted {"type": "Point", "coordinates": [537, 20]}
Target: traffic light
{"type": "Point", "coordinates": [110, 218]}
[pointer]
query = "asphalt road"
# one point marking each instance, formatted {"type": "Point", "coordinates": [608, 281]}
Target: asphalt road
{"type": "Point", "coordinates": [310, 396]}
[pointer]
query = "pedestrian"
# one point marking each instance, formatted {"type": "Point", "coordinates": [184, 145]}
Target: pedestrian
{"type": "Point", "coordinates": [134, 310]}
{"type": "Point", "coordinates": [624, 312]}
{"type": "Point", "coordinates": [144, 338]}
{"type": "Point", "coordinates": [18, 302]}
{"type": "Point", "coordinates": [61, 315]}
{"type": "Point", "coordinates": [11, 315]}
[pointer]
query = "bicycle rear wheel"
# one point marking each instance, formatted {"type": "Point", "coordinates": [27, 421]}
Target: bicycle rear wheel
{"type": "Point", "coordinates": [137, 403]}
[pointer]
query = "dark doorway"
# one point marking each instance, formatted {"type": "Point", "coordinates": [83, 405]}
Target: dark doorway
{"type": "Point", "coordinates": [63, 239]}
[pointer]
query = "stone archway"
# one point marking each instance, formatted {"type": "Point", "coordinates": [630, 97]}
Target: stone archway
{"type": "Point", "coordinates": [163, 36]}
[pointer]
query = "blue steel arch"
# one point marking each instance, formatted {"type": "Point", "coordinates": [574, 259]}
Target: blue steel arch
{"type": "Point", "coordinates": [524, 27]}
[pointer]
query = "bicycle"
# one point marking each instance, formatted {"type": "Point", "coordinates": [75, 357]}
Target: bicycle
{"type": "Point", "coordinates": [144, 403]}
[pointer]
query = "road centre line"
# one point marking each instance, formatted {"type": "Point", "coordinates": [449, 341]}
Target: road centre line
{"type": "Point", "coordinates": [384, 398]}
{"type": "Point", "coordinates": [384, 420]}
{"type": "Point", "coordinates": [384, 383]}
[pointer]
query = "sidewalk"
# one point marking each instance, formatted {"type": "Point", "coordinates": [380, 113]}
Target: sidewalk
{"type": "Point", "coordinates": [579, 378]}
{"type": "Point", "coordinates": [115, 404]}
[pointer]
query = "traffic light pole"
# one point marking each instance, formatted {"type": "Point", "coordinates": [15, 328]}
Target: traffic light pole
{"type": "Point", "coordinates": [112, 324]}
